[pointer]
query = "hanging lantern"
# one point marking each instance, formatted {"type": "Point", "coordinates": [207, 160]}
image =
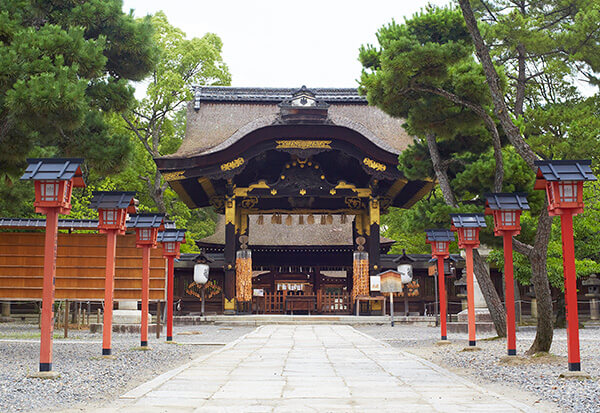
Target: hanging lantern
{"type": "Point", "coordinates": [343, 219]}
{"type": "Point", "coordinates": [201, 273]}
{"type": "Point", "coordinates": [288, 220]}
{"type": "Point", "coordinates": [329, 219]}
{"type": "Point", "coordinates": [301, 220]}
{"type": "Point", "coordinates": [323, 219]}
{"type": "Point", "coordinates": [311, 219]}
{"type": "Point", "coordinates": [260, 220]}
{"type": "Point", "coordinates": [274, 219]}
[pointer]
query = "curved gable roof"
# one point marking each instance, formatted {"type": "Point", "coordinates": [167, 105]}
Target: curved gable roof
{"type": "Point", "coordinates": [220, 116]}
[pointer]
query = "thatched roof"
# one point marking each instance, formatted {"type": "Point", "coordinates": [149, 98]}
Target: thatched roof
{"type": "Point", "coordinates": [219, 116]}
{"type": "Point", "coordinates": [268, 234]}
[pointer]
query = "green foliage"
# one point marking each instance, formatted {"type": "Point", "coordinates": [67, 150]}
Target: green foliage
{"type": "Point", "coordinates": [64, 66]}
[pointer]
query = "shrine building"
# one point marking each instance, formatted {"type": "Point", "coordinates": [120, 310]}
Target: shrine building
{"type": "Point", "coordinates": [300, 178]}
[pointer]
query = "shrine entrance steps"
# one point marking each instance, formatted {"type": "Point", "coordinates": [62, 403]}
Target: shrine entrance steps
{"type": "Point", "coordinates": [266, 319]}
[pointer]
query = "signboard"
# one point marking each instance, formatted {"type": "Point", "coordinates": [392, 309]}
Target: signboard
{"type": "Point", "coordinates": [391, 282]}
{"type": "Point", "coordinates": [258, 292]}
{"type": "Point", "coordinates": [375, 283]}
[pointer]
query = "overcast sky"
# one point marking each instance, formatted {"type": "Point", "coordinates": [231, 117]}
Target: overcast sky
{"type": "Point", "coordinates": [282, 43]}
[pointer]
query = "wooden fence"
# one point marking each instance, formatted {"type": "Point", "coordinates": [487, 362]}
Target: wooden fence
{"type": "Point", "coordinates": [80, 267]}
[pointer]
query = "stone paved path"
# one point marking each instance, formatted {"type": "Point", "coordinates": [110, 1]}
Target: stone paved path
{"type": "Point", "coordinates": [311, 368]}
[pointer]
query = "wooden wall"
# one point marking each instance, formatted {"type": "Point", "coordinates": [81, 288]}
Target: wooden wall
{"type": "Point", "coordinates": [80, 267]}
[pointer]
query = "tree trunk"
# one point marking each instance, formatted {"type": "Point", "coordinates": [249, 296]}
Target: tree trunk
{"type": "Point", "coordinates": [490, 294]}
{"type": "Point", "coordinates": [539, 278]}
{"type": "Point", "coordinates": [492, 299]}
{"type": "Point", "coordinates": [538, 254]}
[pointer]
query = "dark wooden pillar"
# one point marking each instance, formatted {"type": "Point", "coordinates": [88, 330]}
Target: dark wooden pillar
{"type": "Point", "coordinates": [230, 247]}
{"type": "Point", "coordinates": [317, 283]}
{"type": "Point", "coordinates": [373, 242]}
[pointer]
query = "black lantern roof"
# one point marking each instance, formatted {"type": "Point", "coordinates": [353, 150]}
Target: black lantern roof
{"type": "Point", "coordinates": [507, 201]}
{"type": "Point", "coordinates": [112, 199]}
{"type": "Point", "coordinates": [565, 170]}
{"type": "Point", "coordinates": [468, 220]}
{"type": "Point", "coordinates": [440, 234]}
{"type": "Point", "coordinates": [145, 220]}
{"type": "Point", "coordinates": [171, 235]}
{"type": "Point", "coordinates": [54, 169]}
{"type": "Point", "coordinates": [169, 224]}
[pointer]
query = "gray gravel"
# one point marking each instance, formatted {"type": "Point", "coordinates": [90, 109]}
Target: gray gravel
{"type": "Point", "coordinates": [85, 378]}
{"type": "Point", "coordinates": [538, 375]}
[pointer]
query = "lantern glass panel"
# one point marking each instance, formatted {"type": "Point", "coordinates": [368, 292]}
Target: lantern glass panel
{"type": "Point", "coordinates": [145, 234]}
{"type": "Point", "coordinates": [440, 246]}
{"type": "Point", "coordinates": [568, 191]}
{"type": "Point", "coordinates": [50, 191]}
{"type": "Point", "coordinates": [509, 218]}
{"type": "Point", "coordinates": [469, 234]}
{"type": "Point", "coordinates": [170, 246]}
{"type": "Point", "coordinates": [110, 216]}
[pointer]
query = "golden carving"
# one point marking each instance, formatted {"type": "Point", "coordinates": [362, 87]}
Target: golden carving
{"type": "Point", "coordinates": [241, 192]}
{"type": "Point", "coordinates": [303, 191]}
{"type": "Point", "coordinates": [301, 144]}
{"type": "Point", "coordinates": [273, 191]}
{"type": "Point", "coordinates": [173, 176]}
{"type": "Point", "coordinates": [249, 202]}
{"type": "Point", "coordinates": [361, 192]}
{"type": "Point", "coordinates": [218, 202]}
{"type": "Point", "coordinates": [236, 163]}
{"type": "Point", "coordinates": [230, 211]}
{"type": "Point", "coordinates": [332, 191]}
{"type": "Point", "coordinates": [353, 203]}
{"type": "Point", "coordinates": [374, 165]}
{"type": "Point", "coordinates": [373, 211]}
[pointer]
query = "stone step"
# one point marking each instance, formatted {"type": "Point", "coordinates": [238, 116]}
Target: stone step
{"type": "Point", "coordinates": [483, 327]}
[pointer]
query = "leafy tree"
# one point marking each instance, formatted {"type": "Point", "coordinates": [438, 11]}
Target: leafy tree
{"type": "Point", "coordinates": [540, 46]}
{"type": "Point", "coordinates": [528, 92]}
{"type": "Point", "coordinates": [63, 66]}
{"type": "Point", "coordinates": [181, 64]}
{"type": "Point", "coordinates": [424, 71]}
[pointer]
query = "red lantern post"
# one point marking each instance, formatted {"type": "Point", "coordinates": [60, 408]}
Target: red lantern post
{"type": "Point", "coordinates": [440, 240]}
{"type": "Point", "coordinates": [54, 181]}
{"type": "Point", "coordinates": [563, 182]}
{"type": "Point", "coordinates": [171, 240]}
{"type": "Point", "coordinates": [506, 209]}
{"type": "Point", "coordinates": [468, 226]}
{"type": "Point", "coordinates": [113, 208]}
{"type": "Point", "coordinates": [146, 228]}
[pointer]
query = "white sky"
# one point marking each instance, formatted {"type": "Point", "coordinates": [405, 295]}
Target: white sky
{"type": "Point", "coordinates": [282, 43]}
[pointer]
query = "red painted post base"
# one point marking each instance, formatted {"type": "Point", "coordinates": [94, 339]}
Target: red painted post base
{"type": "Point", "coordinates": [109, 287]}
{"type": "Point", "coordinates": [145, 294]}
{"type": "Point", "coordinates": [470, 296]}
{"type": "Point", "coordinates": [47, 319]}
{"type": "Point", "coordinates": [509, 288]}
{"type": "Point", "coordinates": [566, 224]}
{"type": "Point", "coordinates": [170, 280]}
{"type": "Point", "coordinates": [443, 305]}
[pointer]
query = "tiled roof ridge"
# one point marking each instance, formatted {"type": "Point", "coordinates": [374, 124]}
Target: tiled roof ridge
{"type": "Point", "coordinates": [265, 94]}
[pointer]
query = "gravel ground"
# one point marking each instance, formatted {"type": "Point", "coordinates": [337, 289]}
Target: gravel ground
{"type": "Point", "coordinates": [86, 379]}
{"type": "Point", "coordinates": [537, 375]}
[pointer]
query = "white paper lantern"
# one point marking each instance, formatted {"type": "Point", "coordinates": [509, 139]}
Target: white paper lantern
{"type": "Point", "coordinates": [201, 273]}
{"type": "Point", "coordinates": [406, 273]}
